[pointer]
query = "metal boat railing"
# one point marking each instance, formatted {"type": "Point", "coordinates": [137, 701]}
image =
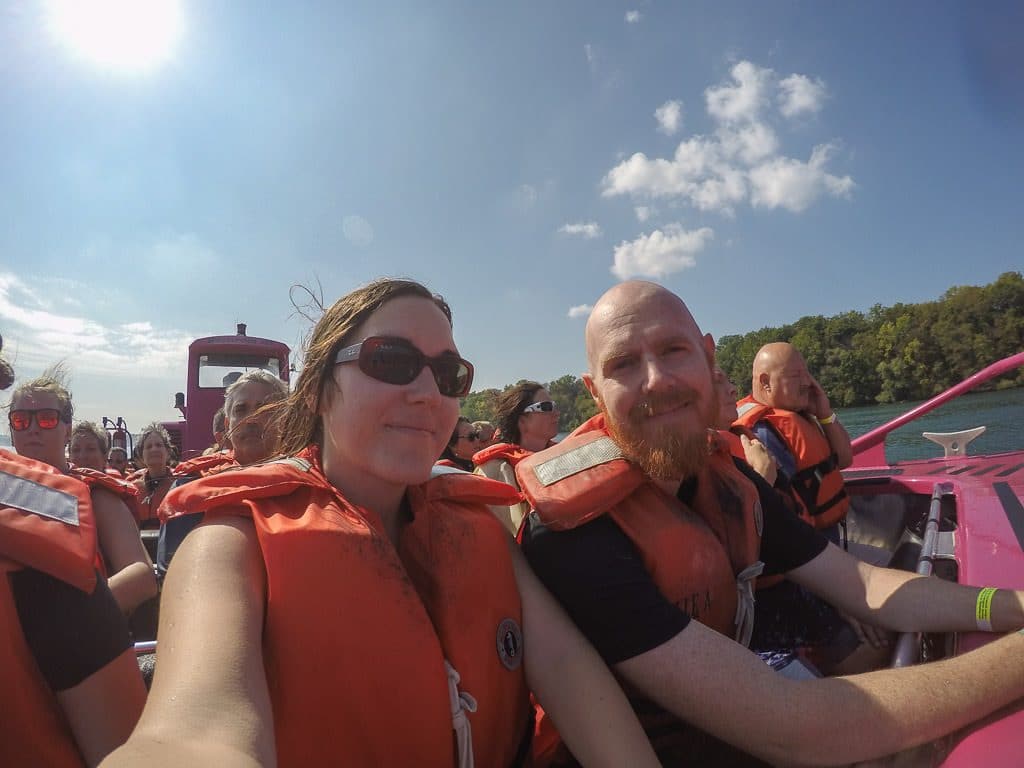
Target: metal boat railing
{"type": "Point", "coordinates": [909, 643]}
{"type": "Point", "coordinates": [869, 449]}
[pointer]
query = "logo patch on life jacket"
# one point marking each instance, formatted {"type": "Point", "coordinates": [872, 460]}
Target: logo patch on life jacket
{"type": "Point", "coordinates": [758, 517]}
{"type": "Point", "coordinates": [510, 644]}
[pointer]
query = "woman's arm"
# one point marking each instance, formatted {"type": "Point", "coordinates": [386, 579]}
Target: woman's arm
{"type": "Point", "coordinates": [573, 684]}
{"type": "Point", "coordinates": [131, 571]}
{"type": "Point", "coordinates": [209, 704]}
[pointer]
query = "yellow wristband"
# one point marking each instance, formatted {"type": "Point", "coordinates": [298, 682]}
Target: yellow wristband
{"type": "Point", "coordinates": [828, 419]}
{"type": "Point", "coordinates": [983, 610]}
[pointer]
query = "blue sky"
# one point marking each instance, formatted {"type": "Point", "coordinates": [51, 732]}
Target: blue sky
{"type": "Point", "coordinates": [764, 160]}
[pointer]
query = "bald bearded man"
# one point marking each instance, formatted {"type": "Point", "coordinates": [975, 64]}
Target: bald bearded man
{"type": "Point", "coordinates": [650, 541]}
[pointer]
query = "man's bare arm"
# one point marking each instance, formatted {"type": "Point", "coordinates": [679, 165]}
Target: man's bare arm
{"type": "Point", "coordinates": [900, 600]}
{"type": "Point", "coordinates": [717, 685]}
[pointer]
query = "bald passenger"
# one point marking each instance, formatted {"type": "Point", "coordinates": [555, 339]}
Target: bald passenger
{"type": "Point", "coordinates": [790, 413]}
{"type": "Point", "coordinates": [650, 538]}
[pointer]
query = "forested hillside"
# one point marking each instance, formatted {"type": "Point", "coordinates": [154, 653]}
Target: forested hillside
{"type": "Point", "coordinates": [889, 354]}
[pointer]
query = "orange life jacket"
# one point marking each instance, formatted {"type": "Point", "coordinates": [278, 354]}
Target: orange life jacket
{"type": "Point", "coordinates": [817, 482]}
{"type": "Point", "coordinates": [702, 557]}
{"type": "Point", "coordinates": [125, 491]}
{"type": "Point", "coordinates": [358, 636]}
{"type": "Point", "coordinates": [510, 452]}
{"type": "Point", "coordinates": [204, 465]}
{"type": "Point", "coordinates": [46, 524]}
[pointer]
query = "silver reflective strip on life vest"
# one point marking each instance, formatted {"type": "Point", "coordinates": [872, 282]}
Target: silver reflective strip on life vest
{"type": "Point", "coordinates": [600, 451]}
{"type": "Point", "coordinates": [746, 407]}
{"type": "Point", "coordinates": [30, 496]}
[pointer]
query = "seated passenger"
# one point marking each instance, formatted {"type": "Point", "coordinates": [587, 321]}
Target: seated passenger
{"type": "Point", "coordinates": [343, 606]}
{"type": "Point", "coordinates": [117, 460]}
{"type": "Point", "coordinates": [743, 444]}
{"type": "Point", "coordinates": [488, 433]}
{"type": "Point", "coordinates": [65, 703]}
{"type": "Point", "coordinates": [461, 446]}
{"type": "Point", "coordinates": [650, 541]}
{"type": "Point", "coordinates": [40, 418]}
{"type": "Point", "coordinates": [89, 446]}
{"type": "Point", "coordinates": [790, 413]}
{"type": "Point", "coordinates": [219, 443]}
{"type": "Point", "coordinates": [250, 428]}
{"type": "Point", "coordinates": [155, 478]}
{"type": "Point", "coordinates": [528, 420]}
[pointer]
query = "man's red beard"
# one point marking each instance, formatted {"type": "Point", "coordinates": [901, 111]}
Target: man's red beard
{"type": "Point", "coordinates": [667, 452]}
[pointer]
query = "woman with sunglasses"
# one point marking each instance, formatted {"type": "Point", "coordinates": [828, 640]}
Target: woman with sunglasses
{"type": "Point", "coordinates": [154, 480]}
{"type": "Point", "coordinates": [40, 419]}
{"type": "Point", "coordinates": [461, 447]}
{"type": "Point", "coordinates": [65, 704]}
{"type": "Point", "coordinates": [343, 606]}
{"type": "Point", "coordinates": [527, 419]}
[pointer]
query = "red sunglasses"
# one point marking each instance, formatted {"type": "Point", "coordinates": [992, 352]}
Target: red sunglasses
{"type": "Point", "coordinates": [21, 419]}
{"type": "Point", "coordinates": [397, 361]}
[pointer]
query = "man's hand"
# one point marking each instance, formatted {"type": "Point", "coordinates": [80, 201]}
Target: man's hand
{"type": "Point", "coordinates": [867, 633]}
{"type": "Point", "coordinates": [759, 458]}
{"type": "Point", "coordinates": [818, 404]}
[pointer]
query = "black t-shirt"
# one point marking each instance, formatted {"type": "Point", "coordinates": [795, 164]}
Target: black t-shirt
{"type": "Point", "coordinates": [71, 634]}
{"type": "Point", "coordinates": [598, 575]}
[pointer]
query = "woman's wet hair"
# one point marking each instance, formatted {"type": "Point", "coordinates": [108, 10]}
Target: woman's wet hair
{"type": "Point", "coordinates": [52, 381]}
{"type": "Point", "coordinates": [509, 405]}
{"type": "Point", "coordinates": [337, 328]}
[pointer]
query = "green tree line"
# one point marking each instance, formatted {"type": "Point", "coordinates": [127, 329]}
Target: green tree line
{"type": "Point", "coordinates": [887, 355]}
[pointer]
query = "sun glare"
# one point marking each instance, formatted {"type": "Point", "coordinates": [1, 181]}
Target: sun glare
{"type": "Point", "coordinates": [124, 36]}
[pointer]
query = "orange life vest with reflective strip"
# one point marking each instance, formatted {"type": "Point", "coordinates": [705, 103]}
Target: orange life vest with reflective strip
{"type": "Point", "coordinates": [696, 554]}
{"type": "Point", "coordinates": [357, 632]}
{"type": "Point", "coordinates": [46, 524]}
{"type": "Point", "coordinates": [693, 553]}
{"type": "Point", "coordinates": [818, 482]}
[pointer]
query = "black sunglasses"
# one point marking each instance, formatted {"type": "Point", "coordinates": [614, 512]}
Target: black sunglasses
{"type": "Point", "coordinates": [471, 436]}
{"type": "Point", "coordinates": [397, 361]}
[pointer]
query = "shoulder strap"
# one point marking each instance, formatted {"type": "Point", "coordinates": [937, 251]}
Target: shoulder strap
{"type": "Point", "coordinates": [577, 480]}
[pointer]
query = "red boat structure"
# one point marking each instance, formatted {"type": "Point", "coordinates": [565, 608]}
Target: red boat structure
{"type": "Point", "coordinates": [214, 362]}
{"type": "Point", "coordinates": [961, 517]}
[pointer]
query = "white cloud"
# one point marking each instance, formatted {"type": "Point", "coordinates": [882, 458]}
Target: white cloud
{"type": "Point", "coordinates": [588, 230]}
{"type": "Point", "coordinates": [742, 100]}
{"type": "Point", "coordinates": [739, 162]}
{"type": "Point", "coordinates": [798, 95]}
{"type": "Point", "coordinates": [791, 184]}
{"type": "Point", "coordinates": [580, 310]}
{"type": "Point", "coordinates": [670, 117]}
{"type": "Point", "coordinates": [643, 213]}
{"type": "Point", "coordinates": [632, 17]}
{"type": "Point", "coordinates": [357, 231]}
{"type": "Point", "coordinates": [660, 253]}
{"type": "Point", "coordinates": [45, 334]}
{"type": "Point", "coordinates": [591, 53]}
